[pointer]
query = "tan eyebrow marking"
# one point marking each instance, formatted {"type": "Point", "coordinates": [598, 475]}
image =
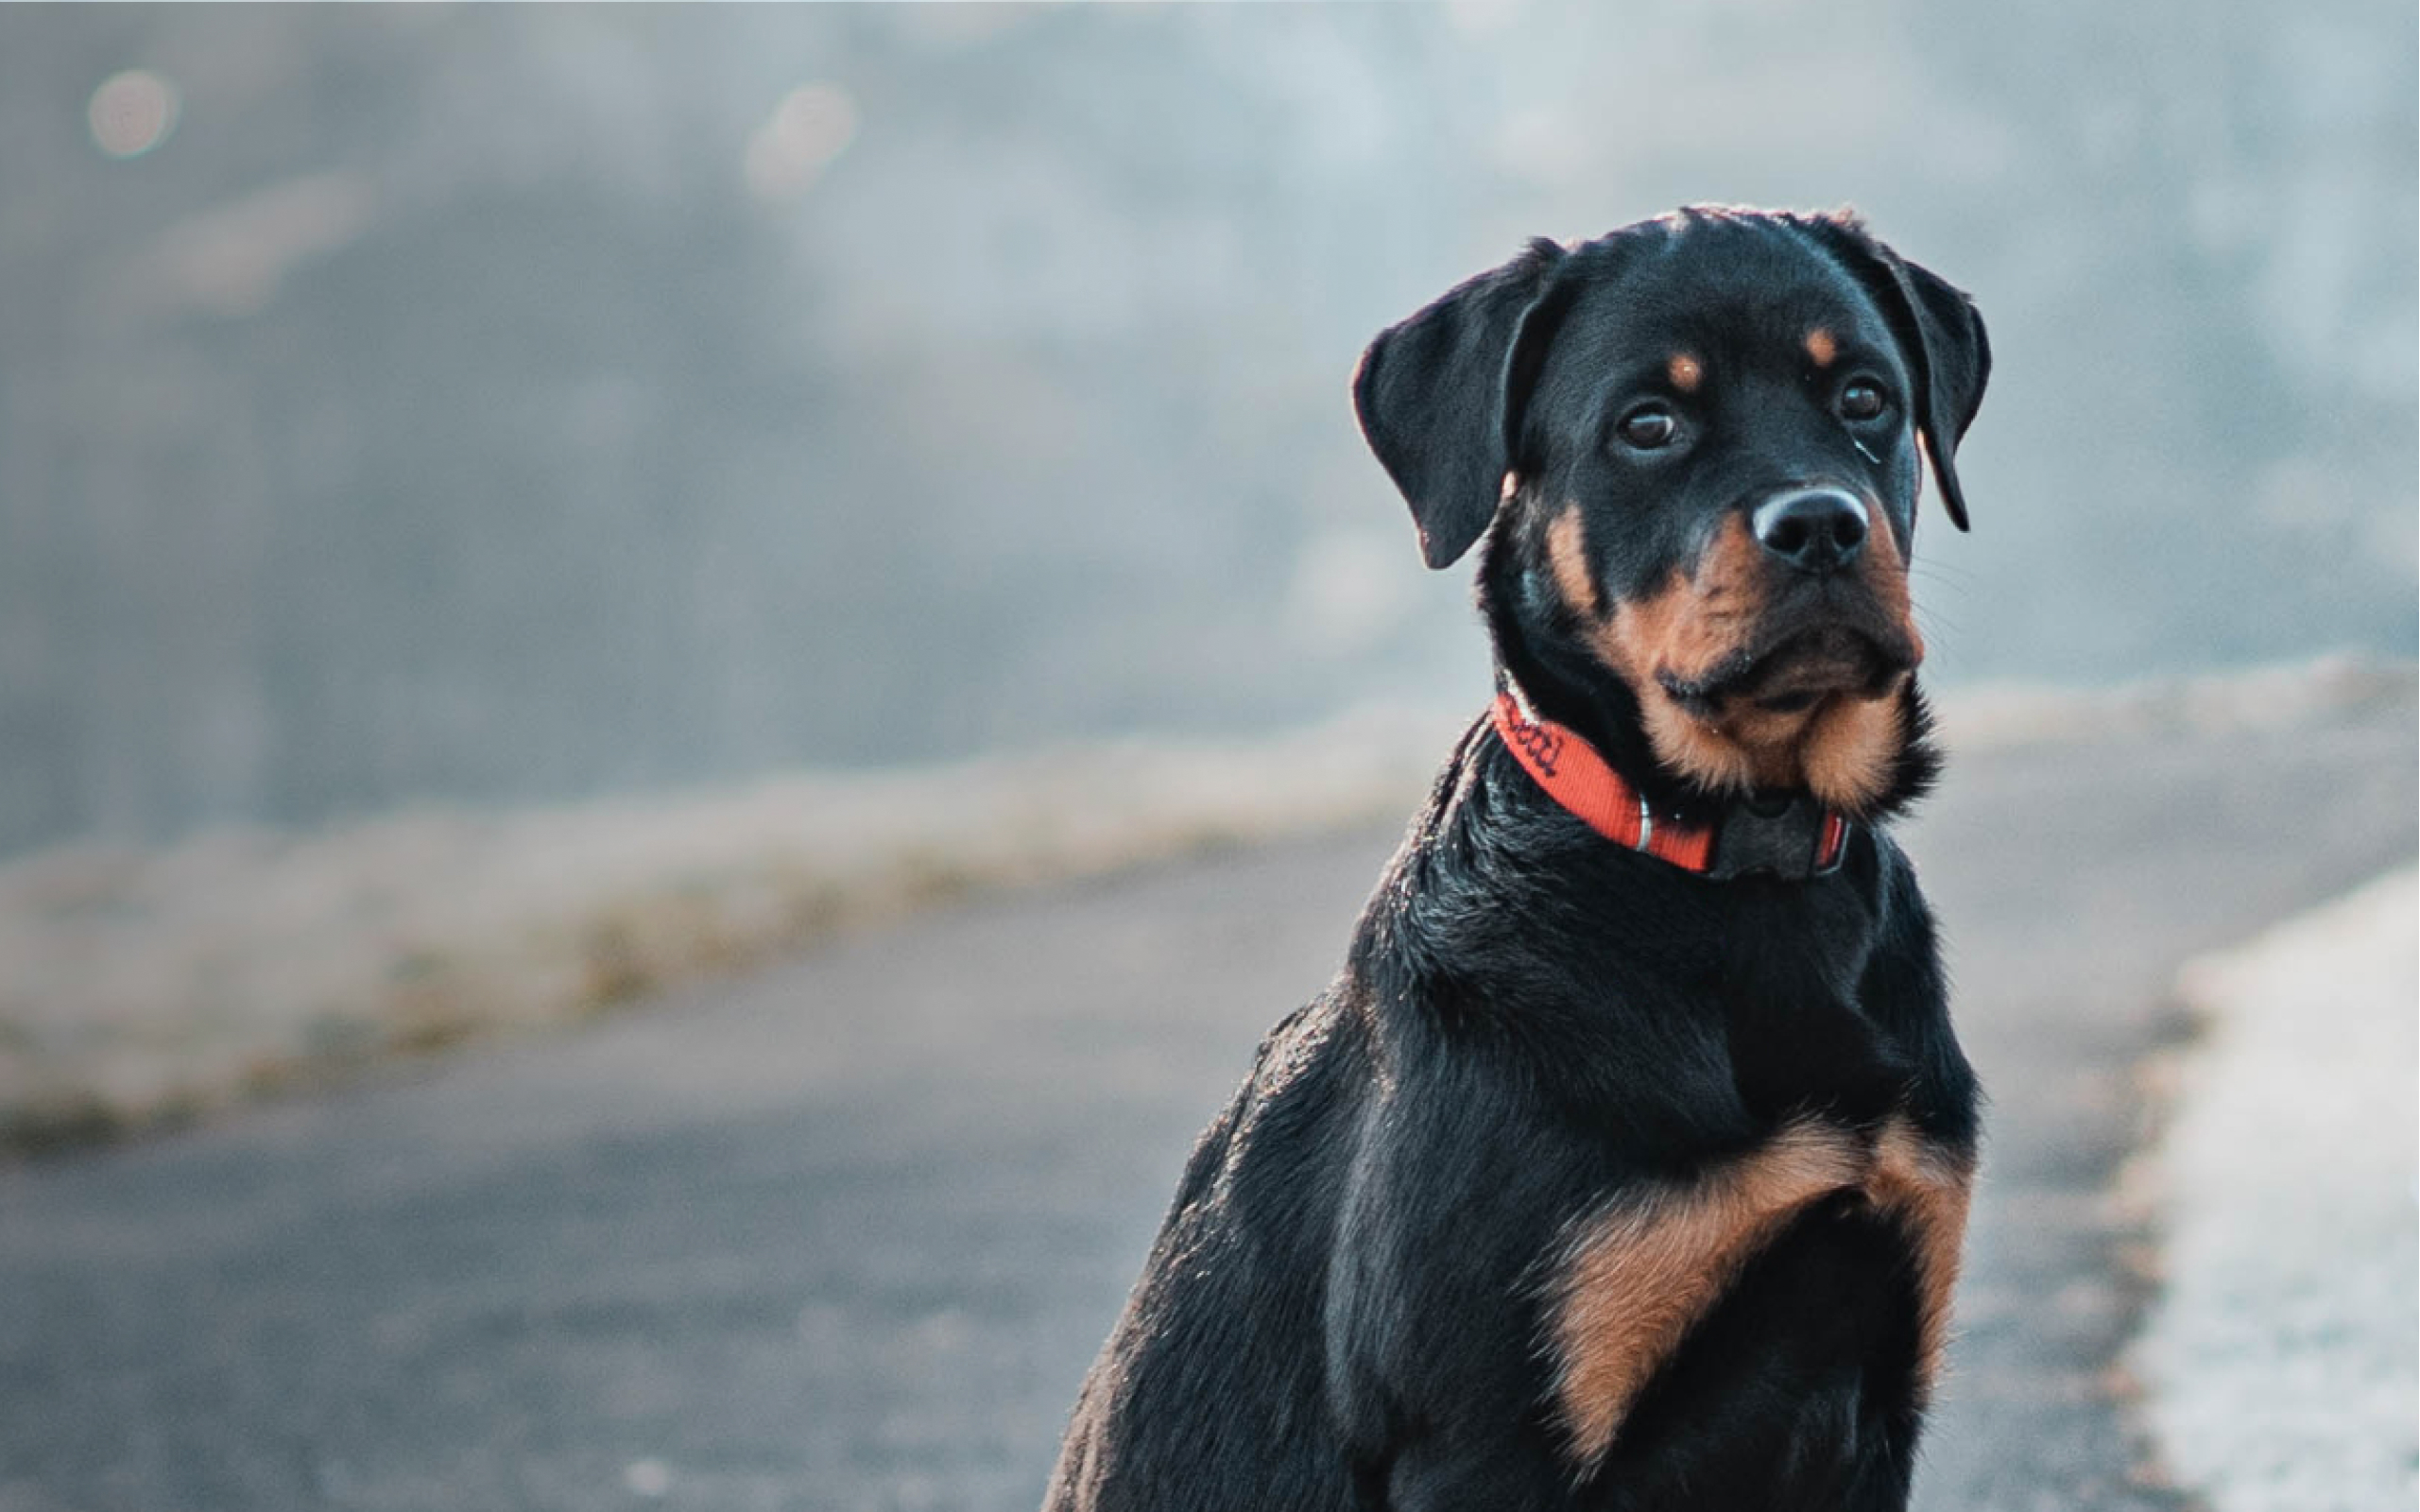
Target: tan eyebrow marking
{"type": "Point", "coordinates": [1821, 347]}
{"type": "Point", "coordinates": [1685, 373]}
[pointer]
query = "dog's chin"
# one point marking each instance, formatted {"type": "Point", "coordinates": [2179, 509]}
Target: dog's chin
{"type": "Point", "coordinates": [1816, 709]}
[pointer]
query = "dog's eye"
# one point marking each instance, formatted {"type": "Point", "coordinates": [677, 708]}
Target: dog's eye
{"type": "Point", "coordinates": [1648, 427]}
{"type": "Point", "coordinates": [1863, 399]}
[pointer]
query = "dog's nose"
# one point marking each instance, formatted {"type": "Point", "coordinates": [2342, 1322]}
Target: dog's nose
{"type": "Point", "coordinates": [1815, 530]}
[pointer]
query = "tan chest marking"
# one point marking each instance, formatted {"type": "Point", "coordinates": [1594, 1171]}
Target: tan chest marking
{"type": "Point", "coordinates": [1928, 1189]}
{"type": "Point", "coordinates": [1640, 1273]}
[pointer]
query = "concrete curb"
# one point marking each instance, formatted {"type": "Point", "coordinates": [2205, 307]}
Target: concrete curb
{"type": "Point", "coordinates": [147, 986]}
{"type": "Point", "coordinates": [2279, 1359]}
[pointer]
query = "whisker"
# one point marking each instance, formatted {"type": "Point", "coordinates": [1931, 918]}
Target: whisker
{"type": "Point", "coordinates": [1933, 620]}
{"type": "Point", "coordinates": [1943, 573]}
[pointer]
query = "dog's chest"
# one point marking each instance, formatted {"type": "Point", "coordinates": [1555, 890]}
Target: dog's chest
{"type": "Point", "coordinates": [1639, 1270]}
{"type": "Point", "coordinates": [1799, 1027]}
{"type": "Point", "coordinates": [1809, 1048]}
{"type": "Point", "coordinates": [1826, 1067]}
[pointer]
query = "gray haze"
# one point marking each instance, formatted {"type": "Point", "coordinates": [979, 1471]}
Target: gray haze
{"type": "Point", "coordinates": [494, 405]}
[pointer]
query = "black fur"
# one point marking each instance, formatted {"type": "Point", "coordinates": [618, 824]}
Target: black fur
{"type": "Point", "coordinates": [1348, 1304]}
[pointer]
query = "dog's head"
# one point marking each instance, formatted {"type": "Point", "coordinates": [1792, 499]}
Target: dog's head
{"type": "Point", "coordinates": [1694, 447]}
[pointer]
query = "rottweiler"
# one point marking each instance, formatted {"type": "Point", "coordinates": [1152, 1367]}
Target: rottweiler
{"type": "Point", "coordinates": [1626, 1164]}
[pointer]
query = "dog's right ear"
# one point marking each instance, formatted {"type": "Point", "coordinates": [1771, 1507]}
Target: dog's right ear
{"type": "Point", "coordinates": [1941, 335]}
{"type": "Point", "coordinates": [1440, 398]}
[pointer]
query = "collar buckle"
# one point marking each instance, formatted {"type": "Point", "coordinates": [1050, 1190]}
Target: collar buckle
{"type": "Point", "coordinates": [1792, 840]}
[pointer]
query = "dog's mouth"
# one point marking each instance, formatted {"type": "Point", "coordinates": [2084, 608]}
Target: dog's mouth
{"type": "Point", "coordinates": [1798, 668]}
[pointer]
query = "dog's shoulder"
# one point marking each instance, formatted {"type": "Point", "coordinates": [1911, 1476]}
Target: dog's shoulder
{"type": "Point", "coordinates": [1206, 1393]}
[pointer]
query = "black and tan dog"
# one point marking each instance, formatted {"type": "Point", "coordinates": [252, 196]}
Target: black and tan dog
{"type": "Point", "coordinates": [1627, 1164]}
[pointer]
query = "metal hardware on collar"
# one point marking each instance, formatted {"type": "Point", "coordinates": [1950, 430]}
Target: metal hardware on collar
{"type": "Point", "coordinates": [1791, 840]}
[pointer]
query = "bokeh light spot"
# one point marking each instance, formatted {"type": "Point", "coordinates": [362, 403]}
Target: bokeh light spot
{"type": "Point", "coordinates": [812, 125]}
{"type": "Point", "coordinates": [132, 112]}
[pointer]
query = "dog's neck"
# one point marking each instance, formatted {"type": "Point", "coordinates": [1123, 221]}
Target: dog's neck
{"type": "Point", "coordinates": [1791, 839]}
{"type": "Point", "coordinates": [1556, 680]}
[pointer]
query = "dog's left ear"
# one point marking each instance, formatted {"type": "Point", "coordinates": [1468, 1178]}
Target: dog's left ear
{"type": "Point", "coordinates": [1440, 398]}
{"type": "Point", "coordinates": [1942, 335]}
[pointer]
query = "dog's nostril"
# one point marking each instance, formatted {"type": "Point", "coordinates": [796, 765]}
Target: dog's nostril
{"type": "Point", "coordinates": [1814, 529]}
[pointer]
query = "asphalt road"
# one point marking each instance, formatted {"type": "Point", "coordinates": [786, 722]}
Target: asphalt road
{"type": "Point", "coordinates": [846, 1234]}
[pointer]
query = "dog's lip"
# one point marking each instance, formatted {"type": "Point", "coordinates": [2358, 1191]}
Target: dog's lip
{"type": "Point", "coordinates": [1797, 667]}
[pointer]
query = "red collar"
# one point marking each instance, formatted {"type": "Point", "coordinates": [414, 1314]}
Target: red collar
{"type": "Point", "coordinates": [1573, 775]}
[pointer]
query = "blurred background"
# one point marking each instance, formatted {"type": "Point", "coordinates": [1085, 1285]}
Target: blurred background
{"type": "Point", "coordinates": [512, 513]}
{"type": "Point", "coordinates": [495, 404]}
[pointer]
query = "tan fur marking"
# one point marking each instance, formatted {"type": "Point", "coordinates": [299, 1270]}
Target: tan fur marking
{"type": "Point", "coordinates": [1697, 751]}
{"type": "Point", "coordinates": [1886, 575]}
{"type": "Point", "coordinates": [1928, 1189]}
{"type": "Point", "coordinates": [1684, 372]}
{"type": "Point", "coordinates": [1850, 744]}
{"type": "Point", "coordinates": [1847, 752]}
{"type": "Point", "coordinates": [1821, 347]}
{"type": "Point", "coordinates": [1644, 1270]}
{"type": "Point", "coordinates": [1566, 551]}
{"type": "Point", "coordinates": [1687, 626]}
{"type": "Point", "coordinates": [1840, 747]}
